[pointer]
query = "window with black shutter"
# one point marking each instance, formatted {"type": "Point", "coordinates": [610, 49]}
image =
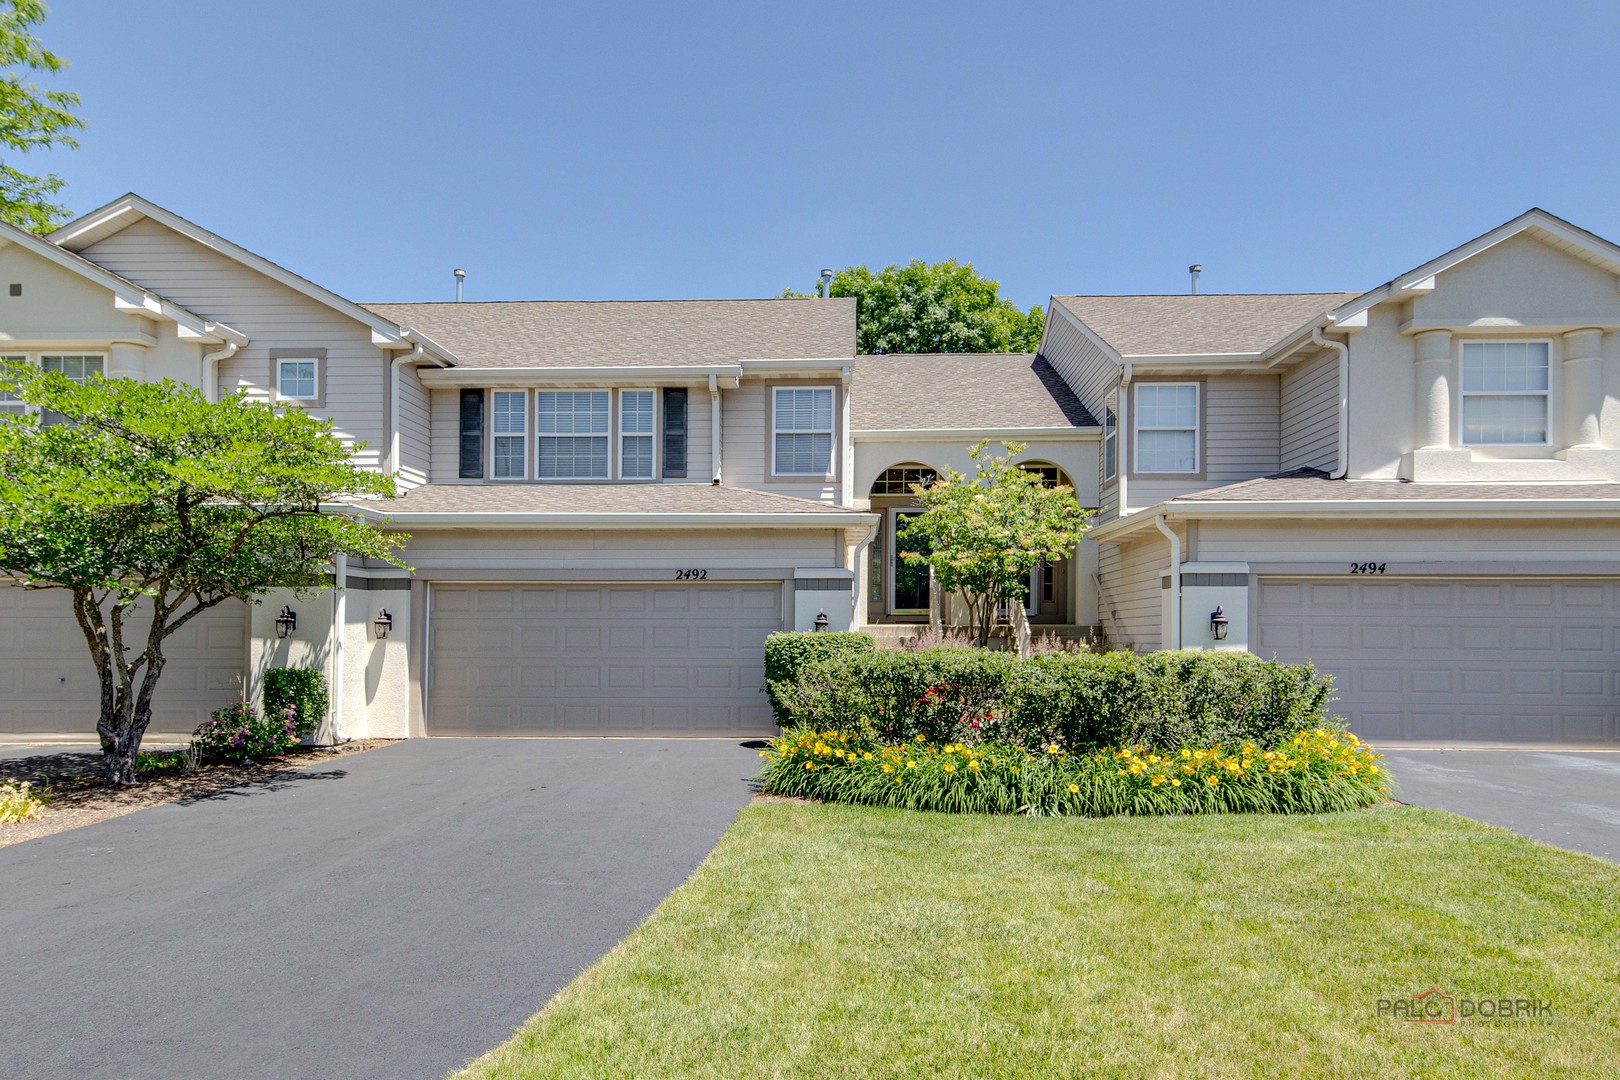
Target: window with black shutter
{"type": "Point", "coordinates": [674, 432]}
{"type": "Point", "coordinates": [472, 434]}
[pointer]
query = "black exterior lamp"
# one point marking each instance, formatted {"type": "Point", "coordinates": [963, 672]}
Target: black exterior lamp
{"type": "Point", "coordinates": [1218, 623]}
{"type": "Point", "coordinates": [286, 622]}
{"type": "Point", "coordinates": [821, 622]}
{"type": "Point", "coordinates": [383, 623]}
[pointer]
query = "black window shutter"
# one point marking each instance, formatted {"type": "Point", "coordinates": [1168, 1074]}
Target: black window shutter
{"type": "Point", "coordinates": [472, 434]}
{"type": "Point", "coordinates": [674, 432]}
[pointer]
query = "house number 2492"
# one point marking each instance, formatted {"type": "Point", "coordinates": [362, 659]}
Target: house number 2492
{"type": "Point", "coordinates": [1367, 567]}
{"type": "Point", "coordinates": [691, 575]}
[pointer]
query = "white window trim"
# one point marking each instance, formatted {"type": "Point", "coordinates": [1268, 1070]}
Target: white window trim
{"type": "Point", "coordinates": [282, 361]}
{"type": "Point", "coordinates": [1197, 431]}
{"type": "Point", "coordinates": [1111, 434]}
{"type": "Point", "coordinates": [623, 435]}
{"type": "Point", "coordinates": [831, 433]}
{"type": "Point", "coordinates": [522, 436]}
{"type": "Point", "coordinates": [539, 437]}
{"type": "Point", "coordinates": [1463, 394]}
{"type": "Point", "coordinates": [7, 408]}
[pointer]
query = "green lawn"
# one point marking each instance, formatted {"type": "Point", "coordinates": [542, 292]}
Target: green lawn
{"type": "Point", "coordinates": [822, 940]}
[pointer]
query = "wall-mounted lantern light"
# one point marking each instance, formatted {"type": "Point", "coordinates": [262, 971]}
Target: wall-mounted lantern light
{"type": "Point", "coordinates": [383, 623]}
{"type": "Point", "coordinates": [1218, 623]}
{"type": "Point", "coordinates": [821, 621]}
{"type": "Point", "coordinates": [286, 622]}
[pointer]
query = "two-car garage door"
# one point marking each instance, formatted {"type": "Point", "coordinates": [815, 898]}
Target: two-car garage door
{"type": "Point", "coordinates": [592, 659]}
{"type": "Point", "coordinates": [1457, 661]}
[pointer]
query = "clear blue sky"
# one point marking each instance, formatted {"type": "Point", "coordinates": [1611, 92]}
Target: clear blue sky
{"type": "Point", "coordinates": [644, 150]}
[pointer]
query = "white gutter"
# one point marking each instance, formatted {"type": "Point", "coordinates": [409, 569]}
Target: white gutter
{"type": "Point", "coordinates": [1175, 580]}
{"type": "Point", "coordinates": [612, 374]}
{"type": "Point", "coordinates": [416, 355]}
{"type": "Point", "coordinates": [1065, 433]}
{"type": "Point", "coordinates": [714, 427]}
{"type": "Point", "coordinates": [1343, 350]}
{"type": "Point", "coordinates": [839, 519]}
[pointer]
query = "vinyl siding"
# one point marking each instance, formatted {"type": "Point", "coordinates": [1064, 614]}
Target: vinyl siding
{"type": "Point", "coordinates": [272, 315]}
{"type": "Point", "coordinates": [1309, 425]}
{"type": "Point", "coordinates": [745, 450]}
{"type": "Point", "coordinates": [527, 555]}
{"type": "Point", "coordinates": [699, 429]}
{"type": "Point", "coordinates": [1240, 438]}
{"type": "Point", "coordinates": [1132, 600]}
{"type": "Point", "coordinates": [415, 439]}
{"type": "Point", "coordinates": [445, 415]}
{"type": "Point", "coordinates": [1091, 374]}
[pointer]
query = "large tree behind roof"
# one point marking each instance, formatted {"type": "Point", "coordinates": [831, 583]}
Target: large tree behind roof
{"type": "Point", "coordinates": [31, 118]}
{"type": "Point", "coordinates": [944, 307]}
{"type": "Point", "coordinates": [147, 505]}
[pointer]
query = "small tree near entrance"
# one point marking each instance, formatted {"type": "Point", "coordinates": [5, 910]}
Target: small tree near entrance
{"type": "Point", "coordinates": [982, 535]}
{"type": "Point", "coordinates": [122, 493]}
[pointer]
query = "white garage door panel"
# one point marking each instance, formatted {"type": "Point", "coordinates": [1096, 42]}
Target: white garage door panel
{"type": "Point", "coordinates": [48, 686]}
{"type": "Point", "coordinates": [600, 659]}
{"type": "Point", "coordinates": [1457, 661]}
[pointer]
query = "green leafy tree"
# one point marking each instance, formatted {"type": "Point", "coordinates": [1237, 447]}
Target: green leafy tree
{"type": "Point", "coordinates": [932, 308]}
{"type": "Point", "coordinates": [981, 535]}
{"type": "Point", "coordinates": [31, 118]}
{"type": "Point", "coordinates": [148, 505]}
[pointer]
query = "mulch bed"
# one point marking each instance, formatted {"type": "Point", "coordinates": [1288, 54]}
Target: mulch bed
{"type": "Point", "coordinates": [81, 796]}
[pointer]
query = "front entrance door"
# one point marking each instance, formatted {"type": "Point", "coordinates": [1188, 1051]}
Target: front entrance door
{"type": "Point", "coordinates": [908, 581]}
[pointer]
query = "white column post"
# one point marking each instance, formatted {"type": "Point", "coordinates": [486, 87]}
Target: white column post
{"type": "Point", "coordinates": [1431, 389]}
{"type": "Point", "coordinates": [1583, 388]}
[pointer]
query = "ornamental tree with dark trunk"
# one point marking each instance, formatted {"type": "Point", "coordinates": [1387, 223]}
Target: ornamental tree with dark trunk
{"type": "Point", "coordinates": [147, 505]}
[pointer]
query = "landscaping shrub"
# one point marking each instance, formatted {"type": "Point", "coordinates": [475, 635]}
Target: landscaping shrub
{"type": "Point", "coordinates": [1315, 771]}
{"type": "Point", "coordinates": [1080, 701]}
{"type": "Point", "coordinates": [238, 735]}
{"type": "Point", "coordinates": [19, 801]}
{"type": "Point", "coordinates": [303, 690]}
{"type": "Point", "coordinates": [787, 653]}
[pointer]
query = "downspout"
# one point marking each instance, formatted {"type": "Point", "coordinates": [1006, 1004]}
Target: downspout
{"type": "Point", "coordinates": [210, 362]}
{"type": "Point", "coordinates": [416, 355]}
{"type": "Point", "coordinates": [340, 619]}
{"type": "Point", "coordinates": [1175, 579]}
{"type": "Point", "coordinates": [1343, 466]}
{"type": "Point", "coordinates": [714, 426]}
{"type": "Point", "coordinates": [846, 453]}
{"type": "Point", "coordinates": [1121, 415]}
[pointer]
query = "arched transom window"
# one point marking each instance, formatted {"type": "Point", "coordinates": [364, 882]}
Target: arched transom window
{"type": "Point", "coordinates": [899, 479]}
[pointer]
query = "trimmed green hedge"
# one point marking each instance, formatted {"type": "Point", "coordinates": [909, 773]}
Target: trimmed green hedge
{"type": "Point", "coordinates": [788, 652]}
{"type": "Point", "coordinates": [301, 689]}
{"type": "Point", "coordinates": [1078, 700]}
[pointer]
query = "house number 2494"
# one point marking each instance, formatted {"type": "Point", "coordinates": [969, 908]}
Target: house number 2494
{"type": "Point", "coordinates": [1367, 567]}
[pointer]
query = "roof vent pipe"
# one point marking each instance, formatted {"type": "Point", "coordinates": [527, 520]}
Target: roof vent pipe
{"type": "Point", "coordinates": [825, 285]}
{"type": "Point", "coordinates": [1195, 269]}
{"type": "Point", "coordinates": [461, 276]}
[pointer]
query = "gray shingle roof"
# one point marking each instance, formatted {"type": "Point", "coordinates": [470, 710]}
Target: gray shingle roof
{"type": "Point", "coordinates": [597, 499]}
{"type": "Point", "coordinates": [1198, 325]}
{"type": "Point", "coordinates": [578, 333]}
{"type": "Point", "coordinates": [903, 391]}
{"type": "Point", "coordinates": [1319, 489]}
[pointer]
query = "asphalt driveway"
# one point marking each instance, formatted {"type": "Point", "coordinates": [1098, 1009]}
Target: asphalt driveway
{"type": "Point", "coordinates": [1568, 799]}
{"type": "Point", "coordinates": [392, 914]}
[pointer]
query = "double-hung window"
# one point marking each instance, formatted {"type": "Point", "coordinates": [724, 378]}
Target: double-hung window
{"type": "Point", "coordinates": [510, 427]}
{"type": "Point", "coordinates": [298, 379]}
{"type": "Point", "coordinates": [1110, 437]}
{"type": "Point", "coordinates": [802, 431]}
{"type": "Point", "coordinates": [1504, 393]}
{"type": "Point", "coordinates": [77, 368]}
{"type": "Point", "coordinates": [1166, 428]}
{"type": "Point", "coordinates": [636, 434]}
{"type": "Point", "coordinates": [573, 429]}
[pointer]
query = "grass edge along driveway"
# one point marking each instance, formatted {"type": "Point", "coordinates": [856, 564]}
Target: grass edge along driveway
{"type": "Point", "coordinates": [839, 940]}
